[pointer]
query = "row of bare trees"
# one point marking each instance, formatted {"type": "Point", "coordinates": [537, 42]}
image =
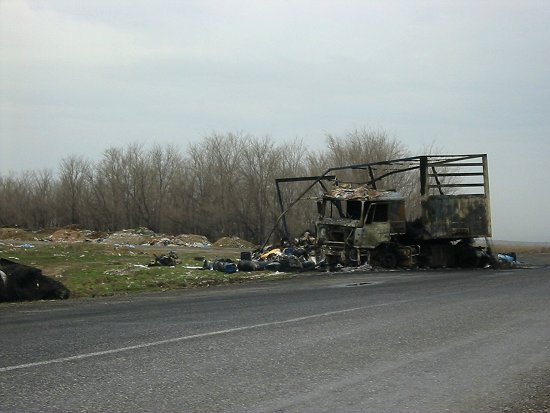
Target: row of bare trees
{"type": "Point", "coordinates": [222, 185]}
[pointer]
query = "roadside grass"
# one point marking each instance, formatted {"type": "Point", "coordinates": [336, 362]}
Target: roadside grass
{"type": "Point", "coordinates": [95, 270]}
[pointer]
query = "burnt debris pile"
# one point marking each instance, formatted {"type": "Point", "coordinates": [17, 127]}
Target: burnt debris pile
{"type": "Point", "coordinates": [19, 282]}
{"type": "Point", "coordinates": [296, 256]}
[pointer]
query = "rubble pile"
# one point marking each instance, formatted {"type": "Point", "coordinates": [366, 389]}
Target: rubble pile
{"type": "Point", "coordinates": [233, 242]}
{"type": "Point", "coordinates": [141, 237]}
{"type": "Point", "coordinates": [297, 256]}
{"type": "Point", "coordinates": [134, 237]}
{"type": "Point", "coordinates": [126, 236]}
{"type": "Point", "coordinates": [182, 240]}
{"type": "Point", "coordinates": [278, 261]}
{"type": "Point", "coordinates": [193, 240]}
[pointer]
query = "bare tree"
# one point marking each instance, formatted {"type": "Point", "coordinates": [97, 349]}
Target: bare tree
{"type": "Point", "coordinates": [15, 199]}
{"type": "Point", "coordinates": [222, 185]}
{"type": "Point", "coordinates": [215, 166]}
{"type": "Point", "coordinates": [261, 162]}
{"type": "Point", "coordinates": [41, 206]}
{"type": "Point", "coordinates": [293, 163]}
{"type": "Point", "coordinates": [357, 147]}
{"type": "Point", "coordinates": [362, 146]}
{"type": "Point", "coordinates": [164, 165]}
{"type": "Point", "coordinates": [180, 211]}
{"type": "Point", "coordinates": [110, 190]}
{"type": "Point", "coordinates": [73, 179]}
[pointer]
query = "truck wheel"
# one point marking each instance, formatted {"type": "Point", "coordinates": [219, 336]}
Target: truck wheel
{"type": "Point", "coordinates": [388, 259]}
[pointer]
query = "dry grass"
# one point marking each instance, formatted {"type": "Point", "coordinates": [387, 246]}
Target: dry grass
{"type": "Point", "coordinates": [92, 270]}
{"type": "Point", "coordinates": [520, 248]}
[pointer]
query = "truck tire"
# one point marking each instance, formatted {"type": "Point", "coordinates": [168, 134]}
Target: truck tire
{"type": "Point", "coordinates": [388, 259]}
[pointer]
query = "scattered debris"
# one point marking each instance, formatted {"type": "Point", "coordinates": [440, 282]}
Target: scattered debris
{"type": "Point", "coordinates": [124, 246]}
{"type": "Point", "coordinates": [225, 265]}
{"type": "Point", "coordinates": [127, 236]}
{"type": "Point", "coordinates": [295, 255]}
{"type": "Point", "coordinates": [507, 259]}
{"type": "Point", "coordinates": [286, 257]}
{"type": "Point", "coordinates": [168, 260]}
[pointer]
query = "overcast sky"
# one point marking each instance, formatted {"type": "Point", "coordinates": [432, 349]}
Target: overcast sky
{"type": "Point", "coordinates": [79, 76]}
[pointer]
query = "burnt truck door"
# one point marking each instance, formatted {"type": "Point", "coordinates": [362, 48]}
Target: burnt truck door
{"type": "Point", "coordinates": [376, 226]}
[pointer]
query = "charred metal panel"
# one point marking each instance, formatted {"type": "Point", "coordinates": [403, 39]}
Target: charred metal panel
{"type": "Point", "coordinates": [437, 255]}
{"type": "Point", "coordinates": [456, 216]}
{"type": "Point", "coordinates": [372, 235]}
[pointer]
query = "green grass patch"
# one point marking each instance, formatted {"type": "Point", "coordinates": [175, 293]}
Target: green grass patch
{"type": "Point", "coordinates": [95, 270]}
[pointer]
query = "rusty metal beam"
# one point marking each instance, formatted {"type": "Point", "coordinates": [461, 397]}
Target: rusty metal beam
{"type": "Point", "coordinates": [455, 185]}
{"type": "Point", "coordinates": [457, 174]}
{"type": "Point", "coordinates": [437, 181]}
{"type": "Point", "coordinates": [318, 179]}
{"type": "Point", "coordinates": [423, 174]}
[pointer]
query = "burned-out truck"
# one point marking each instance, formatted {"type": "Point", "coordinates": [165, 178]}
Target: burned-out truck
{"type": "Point", "coordinates": [366, 222]}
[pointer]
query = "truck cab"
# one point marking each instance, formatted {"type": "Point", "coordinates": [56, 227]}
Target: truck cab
{"type": "Point", "coordinates": [354, 222]}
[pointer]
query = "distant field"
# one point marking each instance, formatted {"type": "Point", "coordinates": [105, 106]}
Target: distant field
{"type": "Point", "coordinates": [522, 247]}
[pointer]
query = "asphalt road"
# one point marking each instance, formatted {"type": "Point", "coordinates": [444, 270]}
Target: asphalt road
{"type": "Point", "coordinates": [458, 341]}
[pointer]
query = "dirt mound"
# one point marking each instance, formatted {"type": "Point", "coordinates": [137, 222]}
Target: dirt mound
{"type": "Point", "coordinates": [16, 234]}
{"type": "Point", "coordinates": [233, 242]}
{"type": "Point", "coordinates": [69, 235]}
{"type": "Point", "coordinates": [128, 236]}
